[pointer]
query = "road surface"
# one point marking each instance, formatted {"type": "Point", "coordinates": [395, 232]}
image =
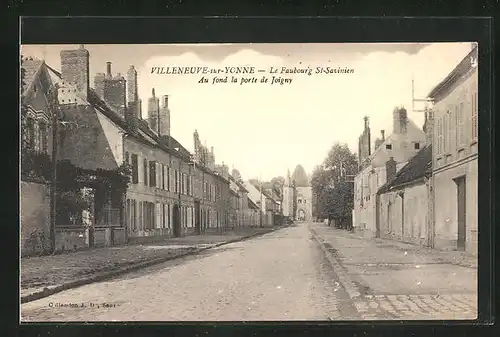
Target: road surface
{"type": "Point", "coordinates": [282, 275]}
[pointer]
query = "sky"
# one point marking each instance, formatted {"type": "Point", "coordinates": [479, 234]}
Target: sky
{"type": "Point", "coordinates": [262, 129]}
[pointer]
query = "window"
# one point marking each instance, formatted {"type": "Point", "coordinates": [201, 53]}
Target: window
{"type": "Point", "coordinates": [163, 215]}
{"type": "Point", "coordinates": [299, 201]}
{"type": "Point", "coordinates": [152, 174]}
{"type": "Point", "coordinates": [134, 214]}
{"type": "Point", "coordinates": [145, 167]}
{"type": "Point", "coordinates": [135, 169]}
{"type": "Point", "coordinates": [176, 181]}
{"type": "Point", "coordinates": [43, 137]}
{"type": "Point", "coordinates": [439, 137]}
{"type": "Point", "coordinates": [158, 221]}
{"type": "Point", "coordinates": [445, 132]}
{"type": "Point", "coordinates": [417, 146]}
{"type": "Point", "coordinates": [474, 116]}
{"type": "Point", "coordinates": [305, 201]}
{"type": "Point", "coordinates": [141, 215]}
{"type": "Point", "coordinates": [460, 125]}
{"type": "Point", "coordinates": [163, 178]}
{"type": "Point", "coordinates": [30, 139]}
{"type": "Point", "coordinates": [388, 146]}
{"type": "Point", "coordinates": [169, 178]}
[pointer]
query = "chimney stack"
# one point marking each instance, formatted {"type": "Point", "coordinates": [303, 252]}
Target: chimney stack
{"type": "Point", "coordinates": [75, 75]}
{"type": "Point", "coordinates": [382, 133]}
{"type": "Point", "coordinates": [108, 70]}
{"type": "Point", "coordinates": [400, 120]}
{"type": "Point", "coordinates": [429, 126]}
{"type": "Point", "coordinates": [390, 169]}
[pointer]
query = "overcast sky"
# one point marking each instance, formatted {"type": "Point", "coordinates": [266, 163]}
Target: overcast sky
{"type": "Point", "coordinates": [263, 129]}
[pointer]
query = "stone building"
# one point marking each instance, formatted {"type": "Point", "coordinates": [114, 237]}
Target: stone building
{"type": "Point", "coordinates": [402, 202]}
{"type": "Point", "coordinates": [455, 155]}
{"type": "Point", "coordinates": [171, 192]}
{"type": "Point", "coordinates": [404, 142]}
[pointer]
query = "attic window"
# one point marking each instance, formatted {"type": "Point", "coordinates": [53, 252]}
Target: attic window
{"type": "Point", "coordinates": [388, 146]}
{"type": "Point", "coordinates": [417, 146]}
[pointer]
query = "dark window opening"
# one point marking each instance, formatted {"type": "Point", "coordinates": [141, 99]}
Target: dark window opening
{"type": "Point", "coordinates": [417, 146]}
{"type": "Point", "coordinates": [388, 146]}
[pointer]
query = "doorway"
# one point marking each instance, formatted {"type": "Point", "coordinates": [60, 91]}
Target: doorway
{"type": "Point", "coordinates": [197, 217]}
{"type": "Point", "coordinates": [176, 221]}
{"type": "Point", "coordinates": [461, 208]}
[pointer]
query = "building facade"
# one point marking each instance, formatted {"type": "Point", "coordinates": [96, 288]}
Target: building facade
{"type": "Point", "coordinates": [455, 157]}
{"type": "Point", "coordinates": [404, 142]}
{"type": "Point", "coordinates": [402, 202]}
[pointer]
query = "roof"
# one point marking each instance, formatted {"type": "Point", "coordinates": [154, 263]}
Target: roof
{"type": "Point", "coordinates": [418, 166]}
{"type": "Point", "coordinates": [252, 204]}
{"type": "Point", "coordinates": [30, 66]}
{"type": "Point", "coordinates": [460, 70]}
{"type": "Point", "coordinates": [300, 177]}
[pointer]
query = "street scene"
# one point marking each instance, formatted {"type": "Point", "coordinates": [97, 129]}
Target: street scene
{"type": "Point", "coordinates": [244, 182]}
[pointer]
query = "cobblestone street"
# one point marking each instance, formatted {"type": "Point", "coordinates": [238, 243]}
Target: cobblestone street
{"type": "Point", "coordinates": [305, 272]}
{"type": "Point", "coordinates": [279, 276]}
{"type": "Point", "coordinates": [391, 280]}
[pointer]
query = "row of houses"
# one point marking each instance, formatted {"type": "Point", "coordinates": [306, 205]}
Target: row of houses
{"type": "Point", "coordinates": [99, 132]}
{"type": "Point", "coordinates": [420, 185]}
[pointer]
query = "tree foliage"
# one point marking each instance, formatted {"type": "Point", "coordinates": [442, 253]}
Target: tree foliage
{"type": "Point", "coordinates": [332, 194]}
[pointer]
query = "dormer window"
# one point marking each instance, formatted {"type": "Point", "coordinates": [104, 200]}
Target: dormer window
{"type": "Point", "coordinates": [388, 146]}
{"type": "Point", "coordinates": [417, 146]}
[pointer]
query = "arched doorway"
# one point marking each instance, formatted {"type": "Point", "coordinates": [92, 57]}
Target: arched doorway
{"type": "Point", "coordinates": [176, 221]}
{"type": "Point", "coordinates": [301, 215]}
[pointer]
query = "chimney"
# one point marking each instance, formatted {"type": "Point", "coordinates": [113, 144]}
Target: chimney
{"type": "Point", "coordinates": [132, 90]}
{"type": "Point", "coordinates": [382, 133]}
{"type": "Point", "coordinates": [75, 74]}
{"type": "Point", "coordinates": [164, 115]}
{"type": "Point", "coordinates": [390, 169]}
{"type": "Point", "coordinates": [153, 112]}
{"type": "Point", "coordinates": [108, 70]}
{"type": "Point", "coordinates": [400, 120]}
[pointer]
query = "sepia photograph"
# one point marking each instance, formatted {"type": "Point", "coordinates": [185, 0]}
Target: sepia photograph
{"type": "Point", "coordinates": [248, 182]}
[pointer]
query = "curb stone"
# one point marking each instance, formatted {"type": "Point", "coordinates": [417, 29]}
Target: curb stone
{"type": "Point", "coordinates": [110, 274]}
{"type": "Point", "coordinates": [349, 286]}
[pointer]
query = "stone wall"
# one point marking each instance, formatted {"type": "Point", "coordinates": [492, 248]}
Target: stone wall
{"type": "Point", "coordinates": [35, 218]}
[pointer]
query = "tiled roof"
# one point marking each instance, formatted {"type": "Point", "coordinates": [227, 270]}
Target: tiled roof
{"type": "Point", "coordinates": [461, 69]}
{"type": "Point", "coordinates": [418, 166]}
{"type": "Point", "coordinates": [30, 67]}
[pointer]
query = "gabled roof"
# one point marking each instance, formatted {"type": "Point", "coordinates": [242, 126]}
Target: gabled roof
{"type": "Point", "coordinates": [460, 70]}
{"type": "Point", "coordinates": [252, 204]}
{"type": "Point", "coordinates": [31, 67]}
{"type": "Point", "coordinates": [418, 166]}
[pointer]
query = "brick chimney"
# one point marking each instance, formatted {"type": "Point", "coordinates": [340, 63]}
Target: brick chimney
{"type": "Point", "coordinates": [108, 70]}
{"type": "Point", "coordinates": [400, 120]}
{"type": "Point", "coordinates": [75, 75]}
{"type": "Point", "coordinates": [390, 169]}
{"type": "Point", "coordinates": [164, 113]}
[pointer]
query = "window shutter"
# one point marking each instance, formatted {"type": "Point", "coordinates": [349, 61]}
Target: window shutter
{"type": "Point", "coordinates": [158, 174]}
{"type": "Point", "coordinates": [140, 170]}
{"type": "Point", "coordinates": [450, 132]}
{"type": "Point", "coordinates": [158, 215]}
{"type": "Point", "coordinates": [461, 128]}
{"type": "Point", "coordinates": [474, 124]}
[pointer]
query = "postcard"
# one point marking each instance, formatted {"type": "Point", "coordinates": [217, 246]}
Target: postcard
{"type": "Point", "coordinates": [249, 182]}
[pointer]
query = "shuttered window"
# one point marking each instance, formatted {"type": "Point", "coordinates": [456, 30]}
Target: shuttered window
{"type": "Point", "coordinates": [158, 222]}
{"type": "Point", "coordinates": [474, 124]}
{"type": "Point", "coordinates": [461, 125]}
{"type": "Point", "coordinates": [440, 139]}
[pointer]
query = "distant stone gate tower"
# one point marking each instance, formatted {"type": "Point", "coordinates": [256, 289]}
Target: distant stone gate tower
{"type": "Point", "coordinates": [303, 194]}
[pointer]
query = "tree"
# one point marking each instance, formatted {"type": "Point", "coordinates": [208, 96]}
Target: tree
{"type": "Point", "coordinates": [332, 194]}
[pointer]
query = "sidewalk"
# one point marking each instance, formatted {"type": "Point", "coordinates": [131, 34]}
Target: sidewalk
{"type": "Point", "coordinates": [383, 272]}
{"type": "Point", "coordinates": [45, 275]}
